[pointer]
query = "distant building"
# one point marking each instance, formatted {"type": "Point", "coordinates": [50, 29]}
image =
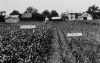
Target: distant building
{"type": "Point", "coordinates": [64, 16]}
{"type": "Point", "coordinates": [13, 17]}
{"type": "Point", "coordinates": [80, 18]}
{"type": "Point", "coordinates": [85, 16]}
{"type": "Point", "coordinates": [73, 16]}
{"type": "Point", "coordinates": [26, 16]}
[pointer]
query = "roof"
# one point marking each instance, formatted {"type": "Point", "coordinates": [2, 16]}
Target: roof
{"type": "Point", "coordinates": [86, 14]}
{"type": "Point", "coordinates": [15, 13]}
{"type": "Point", "coordinates": [75, 13]}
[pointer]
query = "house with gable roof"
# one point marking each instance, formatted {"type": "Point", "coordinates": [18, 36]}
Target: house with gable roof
{"type": "Point", "coordinates": [13, 17]}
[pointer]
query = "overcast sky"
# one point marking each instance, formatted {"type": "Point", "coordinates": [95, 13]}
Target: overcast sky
{"type": "Point", "coordinates": [58, 5]}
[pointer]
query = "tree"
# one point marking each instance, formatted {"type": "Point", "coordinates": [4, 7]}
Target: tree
{"type": "Point", "coordinates": [31, 10]}
{"type": "Point", "coordinates": [64, 16]}
{"type": "Point", "coordinates": [46, 13]}
{"type": "Point", "coordinates": [38, 17]}
{"type": "Point", "coordinates": [3, 13]}
{"type": "Point", "coordinates": [54, 13]}
{"type": "Point", "coordinates": [94, 11]}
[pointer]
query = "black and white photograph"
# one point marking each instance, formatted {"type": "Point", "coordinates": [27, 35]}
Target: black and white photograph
{"type": "Point", "coordinates": [49, 31]}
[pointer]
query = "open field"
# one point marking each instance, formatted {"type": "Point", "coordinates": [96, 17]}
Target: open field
{"type": "Point", "coordinates": [83, 49]}
{"type": "Point", "coordinates": [22, 45]}
{"type": "Point", "coordinates": [62, 49]}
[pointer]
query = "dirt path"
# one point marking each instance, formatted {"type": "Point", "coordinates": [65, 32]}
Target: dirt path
{"type": "Point", "coordinates": [62, 53]}
{"type": "Point", "coordinates": [56, 57]}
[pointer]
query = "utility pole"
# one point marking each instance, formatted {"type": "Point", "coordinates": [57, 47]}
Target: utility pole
{"type": "Point", "coordinates": [67, 11]}
{"type": "Point", "coordinates": [67, 14]}
{"type": "Point", "coordinates": [71, 14]}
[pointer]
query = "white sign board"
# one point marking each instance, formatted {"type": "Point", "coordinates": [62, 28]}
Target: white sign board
{"type": "Point", "coordinates": [56, 17]}
{"type": "Point", "coordinates": [27, 26]}
{"type": "Point", "coordinates": [74, 34]}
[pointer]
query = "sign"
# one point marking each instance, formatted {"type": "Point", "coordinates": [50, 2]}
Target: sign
{"type": "Point", "coordinates": [56, 17]}
{"type": "Point", "coordinates": [27, 26]}
{"type": "Point", "coordinates": [74, 34]}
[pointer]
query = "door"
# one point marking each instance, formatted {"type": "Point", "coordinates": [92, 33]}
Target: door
{"type": "Point", "coordinates": [85, 18]}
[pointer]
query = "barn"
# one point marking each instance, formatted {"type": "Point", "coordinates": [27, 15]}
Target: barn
{"type": "Point", "coordinates": [74, 16]}
{"type": "Point", "coordinates": [71, 16]}
{"type": "Point", "coordinates": [26, 17]}
{"type": "Point", "coordinates": [85, 16]}
{"type": "Point", "coordinates": [13, 17]}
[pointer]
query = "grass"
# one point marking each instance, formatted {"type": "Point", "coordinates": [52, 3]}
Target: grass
{"type": "Point", "coordinates": [80, 48]}
{"type": "Point", "coordinates": [85, 49]}
{"type": "Point", "coordinates": [22, 45]}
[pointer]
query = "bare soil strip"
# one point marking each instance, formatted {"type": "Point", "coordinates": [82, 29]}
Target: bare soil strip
{"type": "Point", "coordinates": [56, 57]}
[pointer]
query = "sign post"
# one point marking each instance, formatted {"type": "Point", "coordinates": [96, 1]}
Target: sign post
{"type": "Point", "coordinates": [69, 35]}
{"type": "Point", "coordinates": [74, 34]}
{"type": "Point", "coordinates": [28, 27]}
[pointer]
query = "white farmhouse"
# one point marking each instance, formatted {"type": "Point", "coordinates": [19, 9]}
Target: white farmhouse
{"type": "Point", "coordinates": [71, 16]}
{"type": "Point", "coordinates": [85, 16]}
{"type": "Point", "coordinates": [74, 16]}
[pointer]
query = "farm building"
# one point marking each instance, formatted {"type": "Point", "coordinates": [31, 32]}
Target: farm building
{"type": "Point", "coordinates": [56, 19]}
{"type": "Point", "coordinates": [85, 16]}
{"type": "Point", "coordinates": [80, 18]}
{"type": "Point", "coordinates": [26, 16]}
{"type": "Point", "coordinates": [13, 17]}
{"type": "Point", "coordinates": [73, 16]}
{"type": "Point", "coordinates": [32, 16]}
{"type": "Point", "coordinates": [64, 16]}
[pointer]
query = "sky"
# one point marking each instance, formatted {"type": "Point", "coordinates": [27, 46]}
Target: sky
{"type": "Point", "coordinates": [58, 5]}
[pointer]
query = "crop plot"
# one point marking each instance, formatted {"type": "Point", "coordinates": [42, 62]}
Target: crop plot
{"type": "Point", "coordinates": [50, 43]}
{"type": "Point", "coordinates": [23, 46]}
{"type": "Point", "coordinates": [80, 49]}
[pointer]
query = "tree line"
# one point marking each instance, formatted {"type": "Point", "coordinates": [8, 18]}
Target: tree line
{"type": "Point", "coordinates": [36, 16]}
{"type": "Point", "coordinates": [93, 10]}
{"type": "Point", "coordinates": [44, 14]}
